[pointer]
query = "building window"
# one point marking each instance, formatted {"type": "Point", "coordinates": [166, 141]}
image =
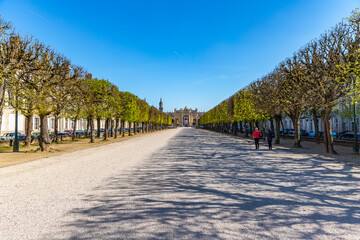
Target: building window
{"type": "Point", "coordinates": [37, 123]}
{"type": "Point", "coordinates": [337, 124]}
{"type": "Point", "coordinates": [52, 123]}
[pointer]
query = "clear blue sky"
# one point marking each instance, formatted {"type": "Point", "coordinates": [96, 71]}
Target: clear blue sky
{"type": "Point", "coordinates": [191, 53]}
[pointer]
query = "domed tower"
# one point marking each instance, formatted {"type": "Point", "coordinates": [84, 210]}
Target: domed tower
{"type": "Point", "coordinates": [161, 105]}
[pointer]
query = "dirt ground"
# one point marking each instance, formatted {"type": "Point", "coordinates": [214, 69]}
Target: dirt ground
{"type": "Point", "coordinates": [8, 157]}
{"type": "Point", "coordinates": [345, 153]}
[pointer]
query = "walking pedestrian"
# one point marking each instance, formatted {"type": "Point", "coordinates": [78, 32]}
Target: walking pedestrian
{"type": "Point", "coordinates": [269, 139]}
{"type": "Point", "coordinates": [256, 136]}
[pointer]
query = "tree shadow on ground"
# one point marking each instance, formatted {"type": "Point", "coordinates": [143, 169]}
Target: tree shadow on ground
{"type": "Point", "coordinates": [209, 186]}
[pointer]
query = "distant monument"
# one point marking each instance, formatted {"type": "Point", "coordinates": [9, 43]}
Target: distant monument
{"type": "Point", "coordinates": [161, 108]}
{"type": "Point", "coordinates": [186, 117]}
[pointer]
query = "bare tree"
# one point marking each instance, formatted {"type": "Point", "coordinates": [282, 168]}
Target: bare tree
{"type": "Point", "coordinates": [292, 92]}
{"type": "Point", "coordinates": [334, 47]}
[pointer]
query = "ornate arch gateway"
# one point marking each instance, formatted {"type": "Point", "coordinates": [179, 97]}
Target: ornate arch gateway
{"type": "Point", "coordinates": [186, 120]}
{"type": "Point", "coordinates": [185, 117]}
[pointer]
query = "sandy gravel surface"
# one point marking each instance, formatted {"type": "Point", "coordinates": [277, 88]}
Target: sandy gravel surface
{"type": "Point", "coordinates": [180, 184]}
{"type": "Point", "coordinates": [37, 197]}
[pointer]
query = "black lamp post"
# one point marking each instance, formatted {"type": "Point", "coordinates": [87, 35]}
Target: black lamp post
{"type": "Point", "coordinates": [14, 41]}
{"type": "Point", "coordinates": [16, 140]}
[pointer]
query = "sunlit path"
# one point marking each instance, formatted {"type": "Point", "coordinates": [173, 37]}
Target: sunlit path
{"type": "Point", "coordinates": [196, 185]}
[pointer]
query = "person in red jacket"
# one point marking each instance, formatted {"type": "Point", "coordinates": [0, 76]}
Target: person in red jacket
{"type": "Point", "coordinates": [256, 136]}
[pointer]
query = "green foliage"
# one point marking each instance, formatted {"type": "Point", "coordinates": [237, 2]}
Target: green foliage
{"type": "Point", "coordinates": [130, 107]}
{"type": "Point", "coordinates": [144, 110]}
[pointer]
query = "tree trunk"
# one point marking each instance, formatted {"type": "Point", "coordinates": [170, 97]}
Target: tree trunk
{"type": "Point", "coordinates": [92, 130]}
{"type": "Point", "coordinates": [111, 127]}
{"type": "Point", "coordinates": [98, 127]}
{"type": "Point", "coordinates": [316, 126]}
{"type": "Point", "coordinates": [241, 127]}
{"type": "Point", "coordinates": [44, 134]}
{"type": "Point", "coordinates": [296, 122]}
{"type": "Point", "coordinates": [56, 132]}
{"type": "Point", "coordinates": [123, 128]}
{"type": "Point", "coordinates": [29, 124]}
{"type": "Point", "coordinates": [129, 128]}
{"type": "Point", "coordinates": [277, 123]}
{"type": "Point", "coordinates": [235, 128]}
{"type": "Point", "coordinates": [1, 114]}
{"type": "Point", "coordinates": [251, 128]}
{"type": "Point", "coordinates": [74, 130]}
{"type": "Point", "coordinates": [282, 125]}
{"type": "Point", "coordinates": [116, 128]}
{"type": "Point", "coordinates": [263, 123]}
{"type": "Point", "coordinates": [106, 130]}
{"type": "Point", "coordinates": [272, 128]}
{"type": "Point", "coordinates": [135, 127]}
{"type": "Point", "coordinates": [87, 127]}
{"type": "Point", "coordinates": [328, 139]}
{"type": "Point", "coordinates": [246, 129]}
{"type": "Point", "coordinates": [326, 145]}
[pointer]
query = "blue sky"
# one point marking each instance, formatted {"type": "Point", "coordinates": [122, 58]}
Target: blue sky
{"type": "Point", "coordinates": [192, 53]}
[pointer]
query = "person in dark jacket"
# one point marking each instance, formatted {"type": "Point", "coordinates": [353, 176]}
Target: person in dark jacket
{"type": "Point", "coordinates": [269, 138]}
{"type": "Point", "coordinates": [256, 136]}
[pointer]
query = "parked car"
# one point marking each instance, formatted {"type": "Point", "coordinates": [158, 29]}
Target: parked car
{"type": "Point", "coordinates": [303, 133]}
{"type": "Point", "coordinates": [335, 134]}
{"type": "Point", "coordinates": [77, 132]}
{"type": "Point", "coordinates": [8, 136]}
{"type": "Point", "coordinates": [321, 134]}
{"type": "Point", "coordinates": [62, 134]}
{"type": "Point", "coordinates": [20, 137]}
{"type": "Point", "coordinates": [349, 136]}
{"type": "Point", "coordinates": [311, 134]}
{"type": "Point", "coordinates": [287, 131]}
{"type": "Point", "coordinates": [5, 136]}
{"type": "Point", "coordinates": [290, 133]}
{"type": "Point", "coordinates": [342, 133]}
{"type": "Point", "coordinates": [35, 135]}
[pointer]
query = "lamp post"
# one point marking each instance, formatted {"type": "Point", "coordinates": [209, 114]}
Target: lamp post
{"type": "Point", "coordinates": [16, 140]}
{"type": "Point", "coordinates": [14, 42]}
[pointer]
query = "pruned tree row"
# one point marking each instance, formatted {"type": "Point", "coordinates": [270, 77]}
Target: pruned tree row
{"type": "Point", "coordinates": [316, 78]}
{"type": "Point", "coordinates": [35, 79]}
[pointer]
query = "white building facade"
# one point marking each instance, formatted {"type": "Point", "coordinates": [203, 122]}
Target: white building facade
{"type": "Point", "coordinates": [64, 124]}
{"type": "Point", "coordinates": [338, 124]}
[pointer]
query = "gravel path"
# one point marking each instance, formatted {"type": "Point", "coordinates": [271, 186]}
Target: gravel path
{"type": "Point", "coordinates": [180, 184]}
